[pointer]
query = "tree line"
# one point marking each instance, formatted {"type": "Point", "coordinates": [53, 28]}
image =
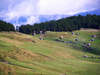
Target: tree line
{"type": "Point", "coordinates": [65, 24]}
{"type": "Point", "coordinates": [4, 26]}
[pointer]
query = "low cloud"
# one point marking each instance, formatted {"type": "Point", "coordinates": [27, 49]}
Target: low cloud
{"type": "Point", "coordinates": [32, 9]}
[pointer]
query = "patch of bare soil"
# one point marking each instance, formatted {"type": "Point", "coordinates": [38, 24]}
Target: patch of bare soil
{"type": "Point", "coordinates": [43, 35]}
{"type": "Point", "coordinates": [5, 62]}
{"type": "Point", "coordinates": [45, 56]}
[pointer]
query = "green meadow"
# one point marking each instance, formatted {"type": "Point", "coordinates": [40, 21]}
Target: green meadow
{"type": "Point", "coordinates": [22, 54]}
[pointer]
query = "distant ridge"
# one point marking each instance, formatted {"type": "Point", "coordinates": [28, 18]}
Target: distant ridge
{"type": "Point", "coordinates": [97, 12]}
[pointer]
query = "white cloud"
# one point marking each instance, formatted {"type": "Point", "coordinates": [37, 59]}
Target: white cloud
{"type": "Point", "coordinates": [31, 9]}
{"type": "Point", "coordinates": [66, 6]}
{"type": "Point", "coordinates": [32, 20]}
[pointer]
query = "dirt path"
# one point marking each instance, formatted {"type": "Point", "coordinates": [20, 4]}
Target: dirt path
{"type": "Point", "coordinates": [95, 30]}
{"type": "Point", "coordinates": [43, 35]}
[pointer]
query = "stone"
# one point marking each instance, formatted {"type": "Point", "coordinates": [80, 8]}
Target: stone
{"type": "Point", "coordinates": [88, 44]}
{"type": "Point", "coordinates": [93, 35]}
{"type": "Point", "coordinates": [61, 37]}
{"type": "Point", "coordinates": [64, 41]}
{"type": "Point", "coordinates": [91, 48]}
{"type": "Point", "coordinates": [76, 39]}
{"type": "Point", "coordinates": [84, 46]}
{"type": "Point", "coordinates": [85, 56]}
{"type": "Point", "coordinates": [33, 34]}
{"type": "Point", "coordinates": [40, 38]}
{"type": "Point", "coordinates": [84, 43]}
{"type": "Point", "coordinates": [93, 57]}
{"type": "Point", "coordinates": [73, 33]}
{"type": "Point", "coordinates": [77, 33]}
{"type": "Point", "coordinates": [98, 57]}
{"type": "Point", "coordinates": [92, 39]}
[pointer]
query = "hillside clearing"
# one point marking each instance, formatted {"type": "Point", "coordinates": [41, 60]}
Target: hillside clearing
{"type": "Point", "coordinates": [22, 54]}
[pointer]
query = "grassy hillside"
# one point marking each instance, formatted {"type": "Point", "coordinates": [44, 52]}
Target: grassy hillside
{"type": "Point", "coordinates": [22, 54]}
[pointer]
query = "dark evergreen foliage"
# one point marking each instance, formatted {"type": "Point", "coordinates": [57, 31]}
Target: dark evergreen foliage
{"type": "Point", "coordinates": [65, 24]}
{"type": "Point", "coordinates": [6, 26]}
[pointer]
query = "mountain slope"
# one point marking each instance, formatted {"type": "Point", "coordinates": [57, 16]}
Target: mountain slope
{"type": "Point", "coordinates": [22, 54]}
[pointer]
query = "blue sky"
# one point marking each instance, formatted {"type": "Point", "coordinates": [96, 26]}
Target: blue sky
{"type": "Point", "coordinates": [20, 12]}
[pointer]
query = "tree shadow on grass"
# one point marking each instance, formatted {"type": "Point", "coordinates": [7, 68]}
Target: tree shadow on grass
{"type": "Point", "coordinates": [95, 51]}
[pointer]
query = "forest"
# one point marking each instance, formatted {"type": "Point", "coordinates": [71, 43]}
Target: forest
{"type": "Point", "coordinates": [4, 26]}
{"type": "Point", "coordinates": [65, 24]}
